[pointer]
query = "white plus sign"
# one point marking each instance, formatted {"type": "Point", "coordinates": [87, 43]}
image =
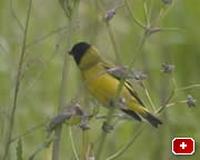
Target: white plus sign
{"type": "Point", "coordinates": [183, 145]}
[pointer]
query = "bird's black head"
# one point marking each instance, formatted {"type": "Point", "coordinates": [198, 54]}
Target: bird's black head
{"type": "Point", "coordinates": [78, 50]}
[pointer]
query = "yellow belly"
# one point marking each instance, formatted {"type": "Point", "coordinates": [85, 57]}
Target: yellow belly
{"type": "Point", "coordinates": [103, 86]}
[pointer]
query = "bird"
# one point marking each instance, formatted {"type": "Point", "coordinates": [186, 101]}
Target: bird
{"type": "Point", "coordinates": [104, 84]}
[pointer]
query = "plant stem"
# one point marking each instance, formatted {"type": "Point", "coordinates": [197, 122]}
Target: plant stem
{"type": "Point", "coordinates": [56, 143]}
{"type": "Point", "coordinates": [166, 102]}
{"type": "Point", "coordinates": [44, 37]}
{"type": "Point", "coordinates": [188, 87]}
{"type": "Point", "coordinates": [114, 44]}
{"type": "Point", "coordinates": [104, 135]}
{"type": "Point", "coordinates": [29, 131]}
{"type": "Point", "coordinates": [15, 16]}
{"type": "Point", "coordinates": [110, 33]}
{"type": "Point", "coordinates": [17, 84]}
{"type": "Point", "coordinates": [73, 144]}
{"type": "Point", "coordinates": [135, 20]}
{"type": "Point", "coordinates": [146, 13]}
{"type": "Point", "coordinates": [149, 98]}
{"type": "Point", "coordinates": [84, 144]}
{"type": "Point", "coordinates": [129, 144]}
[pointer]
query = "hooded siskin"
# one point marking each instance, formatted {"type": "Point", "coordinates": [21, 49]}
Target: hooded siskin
{"type": "Point", "coordinates": [103, 85]}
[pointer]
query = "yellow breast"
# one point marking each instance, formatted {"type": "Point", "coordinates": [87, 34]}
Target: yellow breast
{"type": "Point", "coordinates": [102, 85]}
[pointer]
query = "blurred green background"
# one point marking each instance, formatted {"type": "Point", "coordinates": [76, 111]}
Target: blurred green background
{"type": "Point", "coordinates": [51, 35]}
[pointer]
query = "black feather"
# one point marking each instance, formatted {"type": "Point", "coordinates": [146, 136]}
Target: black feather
{"type": "Point", "coordinates": [132, 114]}
{"type": "Point", "coordinates": [78, 50]}
{"type": "Point", "coordinates": [152, 119]}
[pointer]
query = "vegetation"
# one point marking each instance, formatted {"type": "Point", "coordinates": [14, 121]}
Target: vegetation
{"type": "Point", "coordinates": [45, 112]}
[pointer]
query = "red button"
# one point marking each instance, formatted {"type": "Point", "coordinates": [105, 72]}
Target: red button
{"type": "Point", "coordinates": [183, 146]}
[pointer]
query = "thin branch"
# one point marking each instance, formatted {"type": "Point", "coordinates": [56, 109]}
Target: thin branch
{"type": "Point", "coordinates": [123, 149]}
{"type": "Point", "coordinates": [172, 104]}
{"type": "Point", "coordinates": [140, 46]}
{"type": "Point", "coordinates": [69, 9]}
{"type": "Point", "coordinates": [188, 87]}
{"type": "Point", "coordinates": [146, 13]}
{"type": "Point", "coordinates": [39, 74]}
{"type": "Point", "coordinates": [104, 135]}
{"type": "Point", "coordinates": [73, 144]}
{"type": "Point", "coordinates": [167, 104]}
{"type": "Point", "coordinates": [56, 143]}
{"type": "Point", "coordinates": [44, 37]}
{"type": "Point", "coordinates": [110, 32]}
{"type": "Point", "coordinates": [159, 110]}
{"type": "Point", "coordinates": [162, 29]}
{"type": "Point", "coordinates": [17, 85]}
{"type": "Point", "coordinates": [149, 98]}
{"type": "Point", "coordinates": [40, 148]}
{"type": "Point", "coordinates": [114, 44]}
{"type": "Point", "coordinates": [28, 131]}
{"type": "Point", "coordinates": [15, 16]}
{"type": "Point", "coordinates": [135, 20]}
{"type": "Point", "coordinates": [85, 144]}
{"type": "Point", "coordinates": [163, 12]}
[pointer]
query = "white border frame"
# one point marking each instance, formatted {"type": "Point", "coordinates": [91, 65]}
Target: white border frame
{"type": "Point", "coordinates": [183, 154]}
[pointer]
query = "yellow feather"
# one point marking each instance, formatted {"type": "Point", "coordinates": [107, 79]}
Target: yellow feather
{"type": "Point", "coordinates": [104, 86]}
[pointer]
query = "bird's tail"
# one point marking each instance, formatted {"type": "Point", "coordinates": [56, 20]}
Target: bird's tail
{"type": "Point", "coordinates": [153, 120]}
